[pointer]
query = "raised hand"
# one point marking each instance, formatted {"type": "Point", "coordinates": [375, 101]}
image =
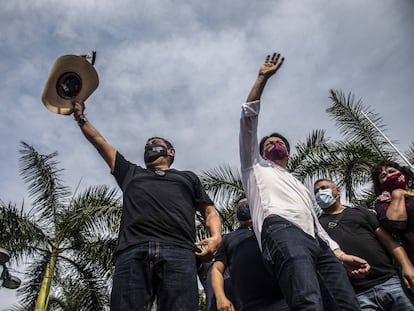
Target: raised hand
{"type": "Point", "coordinates": [271, 65]}
{"type": "Point", "coordinates": [78, 109]}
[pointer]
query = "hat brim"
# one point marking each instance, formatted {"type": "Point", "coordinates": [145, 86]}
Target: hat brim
{"type": "Point", "coordinates": [64, 66]}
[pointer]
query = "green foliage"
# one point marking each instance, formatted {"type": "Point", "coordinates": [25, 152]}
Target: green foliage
{"type": "Point", "coordinates": [348, 161]}
{"type": "Point", "coordinates": [224, 186]}
{"type": "Point", "coordinates": [79, 231]}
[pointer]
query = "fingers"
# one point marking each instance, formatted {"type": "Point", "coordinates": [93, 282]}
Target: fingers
{"type": "Point", "coordinates": [274, 58]}
{"type": "Point", "coordinates": [78, 105]}
{"type": "Point", "coordinates": [78, 109]}
{"type": "Point", "coordinates": [408, 282]}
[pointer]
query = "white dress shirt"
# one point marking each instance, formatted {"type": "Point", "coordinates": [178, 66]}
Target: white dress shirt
{"type": "Point", "coordinates": [270, 188]}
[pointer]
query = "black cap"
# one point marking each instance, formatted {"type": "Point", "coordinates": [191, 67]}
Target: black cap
{"type": "Point", "coordinates": [243, 212]}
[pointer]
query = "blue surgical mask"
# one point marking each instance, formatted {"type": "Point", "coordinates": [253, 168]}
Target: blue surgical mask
{"type": "Point", "coordinates": [325, 198]}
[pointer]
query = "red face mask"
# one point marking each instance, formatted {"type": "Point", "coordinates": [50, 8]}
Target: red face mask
{"type": "Point", "coordinates": [275, 152]}
{"type": "Point", "coordinates": [396, 181]}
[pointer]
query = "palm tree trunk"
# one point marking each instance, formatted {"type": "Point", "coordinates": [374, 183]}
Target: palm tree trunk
{"type": "Point", "coordinates": [42, 300]}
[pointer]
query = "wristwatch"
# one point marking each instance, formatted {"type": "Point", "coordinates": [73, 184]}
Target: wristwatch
{"type": "Point", "coordinates": [82, 121]}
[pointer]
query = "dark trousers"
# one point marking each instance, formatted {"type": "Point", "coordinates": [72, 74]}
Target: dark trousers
{"type": "Point", "coordinates": [150, 270]}
{"type": "Point", "coordinates": [310, 276]}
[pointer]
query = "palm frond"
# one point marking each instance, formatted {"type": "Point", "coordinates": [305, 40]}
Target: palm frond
{"type": "Point", "coordinates": [41, 174]}
{"type": "Point", "coordinates": [347, 113]}
{"type": "Point", "coordinates": [20, 233]}
{"type": "Point", "coordinates": [352, 168]}
{"type": "Point", "coordinates": [410, 153]}
{"type": "Point", "coordinates": [95, 204]}
{"type": "Point", "coordinates": [85, 287]}
{"type": "Point", "coordinates": [312, 157]}
{"type": "Point", "coordinates": [223, 184]}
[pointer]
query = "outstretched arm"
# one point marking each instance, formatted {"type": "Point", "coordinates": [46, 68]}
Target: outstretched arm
{"type": "Point", "coordinates": [269, 68]}
{"type": "Point", "coordinates": [107, 151]}
{"type": "Point", "coordinates": [249, 149]}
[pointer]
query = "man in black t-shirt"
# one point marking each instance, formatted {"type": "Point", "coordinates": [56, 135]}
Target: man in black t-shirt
{"type": "Point", "coordinates": [253, 287]}
{"type": "Point", "coordinates": [357, 232]}
{"type": "Point", "coordinates": [157, 235]}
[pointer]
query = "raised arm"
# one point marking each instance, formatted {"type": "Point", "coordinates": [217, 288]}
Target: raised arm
{"type": "Point", "coordinates": [249, 149]}
{"type": "Point", "coordinates": [107, 151]}
{"type": "Point", "coordinates": [269, 68]}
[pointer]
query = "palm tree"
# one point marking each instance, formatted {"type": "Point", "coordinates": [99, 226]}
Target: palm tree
{"type": "Point", "coordinates": [224, 186]}
{"type": "Point", "coordinates": [347, 161]}
{"type": "Point", "coordinates": [68, 239]}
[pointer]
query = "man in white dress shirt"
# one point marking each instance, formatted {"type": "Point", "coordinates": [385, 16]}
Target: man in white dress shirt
{"type": "Point", "coordinates": [295, 247]}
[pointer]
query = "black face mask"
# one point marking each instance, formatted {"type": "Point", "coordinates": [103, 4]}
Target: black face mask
{"type": "Point", "coordinates": [153, 152]}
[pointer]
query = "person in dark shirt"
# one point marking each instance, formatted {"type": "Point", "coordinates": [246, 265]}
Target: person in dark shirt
{"type": "Point", "coordinates": [157, 235]}
{"type": "Point", "coordinates": [253, 287]}
{"type": "Point", "coordinates": [357, 231]}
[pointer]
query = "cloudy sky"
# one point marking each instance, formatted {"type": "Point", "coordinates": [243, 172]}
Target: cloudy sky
{"type": "Point", "coordinates": [181, 69]}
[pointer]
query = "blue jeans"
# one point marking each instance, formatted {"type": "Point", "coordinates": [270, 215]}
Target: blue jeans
{"type": "Point", "coordinates": [310, 276]}
{"type": "Point", "coordinates": [390, 295]}
{"type": "Point", "coordinates": [150, 270]}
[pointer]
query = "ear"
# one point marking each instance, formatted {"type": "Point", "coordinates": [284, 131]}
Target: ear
{"type": "Point", "coordinates": [338, 192]}
{"type": "Point", "coordinates": [171, 152]}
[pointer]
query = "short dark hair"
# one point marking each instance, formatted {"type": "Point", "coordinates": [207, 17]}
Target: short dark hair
{"type": "Point", "coordinates": [262, 141]}
{"type": "Point", "coordinates": [240, 197]}
{"type": "Point", "coordinates": [169, 145]}
{"type": "Point", "coordinates": [376, 171]}
{"type": "Point", "coordinates": [323, 179]}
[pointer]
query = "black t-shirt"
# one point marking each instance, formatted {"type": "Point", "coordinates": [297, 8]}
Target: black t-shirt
{"type": "Point", "coordinates": [252, 284]}
{"type": "Point", "coordinates": [355, 234]}
{"type": "Point", "coordinates": [157, 208]}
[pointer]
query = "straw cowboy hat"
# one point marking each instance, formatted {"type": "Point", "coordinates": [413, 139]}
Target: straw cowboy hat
{"type": "Point", "coordinates": [72, 77]}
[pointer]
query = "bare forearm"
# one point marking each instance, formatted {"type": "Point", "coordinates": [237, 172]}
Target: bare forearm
{"type": "Point", "coordinates": [401, 256]}
{"type": "Point", "coordinates": [271, 65]}
{"type": "Point", "coordinates": [397, 210]}
{"type": "Point", "coordinates": [217, 280]}
{"type": "Point", "coordinates": [393, 247]}
{"type": "Point", "coordinates": [107, 152]}
{"type": "Point", "coordinates": [213, 222]}
{"type": "Point", "coordinates": [257, 89]}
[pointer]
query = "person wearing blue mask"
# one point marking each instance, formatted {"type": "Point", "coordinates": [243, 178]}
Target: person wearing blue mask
{"type": "Point", "coordinates": [294, 246]}
{"type": "Point", "coordinates": [157, 249]}
{"type": "Point", "coordinates": [358, 232]}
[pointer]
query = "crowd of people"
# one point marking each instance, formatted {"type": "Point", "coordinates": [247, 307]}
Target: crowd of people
{"type": "Point", "coordinates": [282, 256]}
